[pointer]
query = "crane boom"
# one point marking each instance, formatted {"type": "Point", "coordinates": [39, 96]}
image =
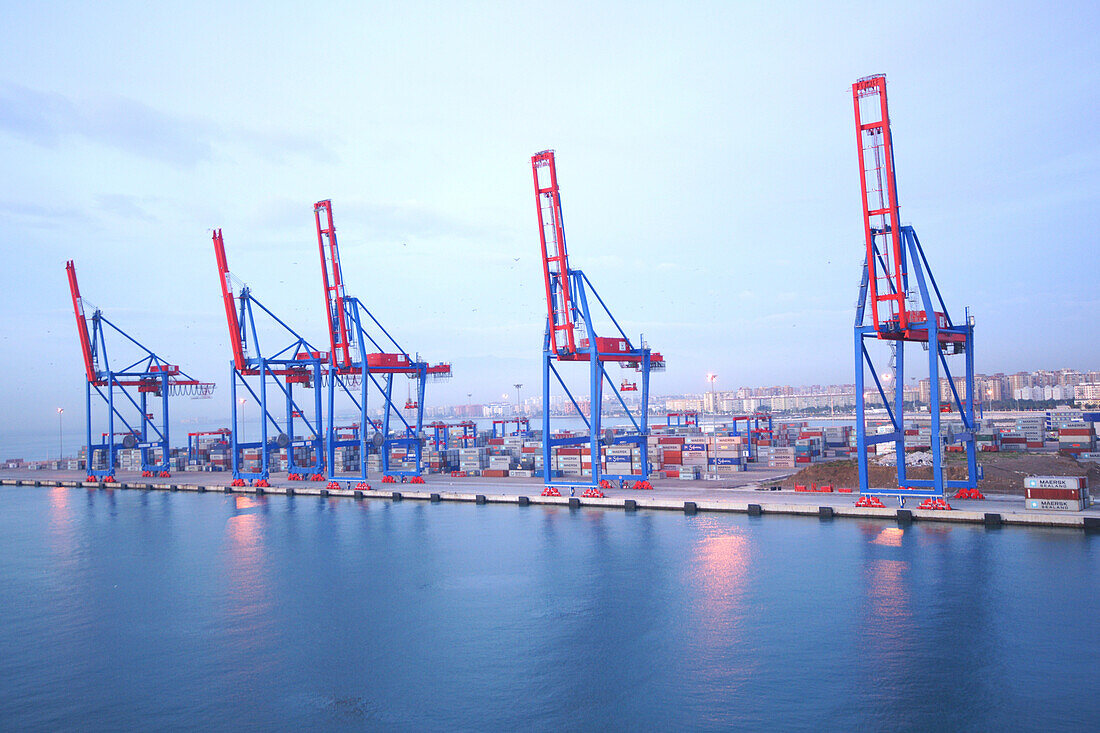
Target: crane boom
{"type": "Point", "coordinates": [236, 338]}
{"type": "Point", "coordinates": [81, 324]}
{"type": "Point", "coordinates": [332, 276]}
{"type": "Point", "coordinates": [886, 267]}
{"type": "Point", "coordinates": [555, 259]}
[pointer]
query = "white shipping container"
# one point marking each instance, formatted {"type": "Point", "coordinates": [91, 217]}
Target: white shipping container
{"type": "Point", "coordinates": [1055, 505]}
{"type": "Point", "coordinates": [1055, 482]}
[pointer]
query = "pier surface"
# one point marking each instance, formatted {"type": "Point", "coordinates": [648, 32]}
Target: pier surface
{"type": "Point", "coordinates": [747, 493]}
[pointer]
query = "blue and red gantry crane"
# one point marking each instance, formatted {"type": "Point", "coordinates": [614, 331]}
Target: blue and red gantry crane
{"type": "Point", "coordinates": [571, 337]}
{"type": "Point", "coordinates": [900, 315]}
{"type": "Point", "coordinates": [502, 427]}
{"type": "Point", "coordinates": [362, 358]}
{"type": "Point", "coordinates": [129, 393]}
{"type": "Point", "coordinates": [298, 363]}
{"type": "Point", "coordinates": [444, 434]}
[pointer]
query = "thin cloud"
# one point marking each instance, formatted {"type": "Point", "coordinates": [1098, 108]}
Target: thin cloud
{"type": "Point", "coordinates": [124, 206]}
{"type": "Point", "coordinates": [49, 118]}
{"type": "Point", "coordinates": [42, 216]}
{"type": "Point", "coordinates": [387, 220]}
{"type": "Point", "coordinates": [360, 222]}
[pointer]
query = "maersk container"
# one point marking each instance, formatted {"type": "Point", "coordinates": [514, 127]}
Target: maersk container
{"type": "Point", "coordinates": [1056, 505]}
{"type": "Point", "coordinates": [1055, 482]}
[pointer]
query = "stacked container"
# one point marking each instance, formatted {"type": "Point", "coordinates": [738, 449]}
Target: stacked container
{"type": "Point", "coordinates": [1056, 493]}
{"type": "Point", "coordinates": [1073, 441]}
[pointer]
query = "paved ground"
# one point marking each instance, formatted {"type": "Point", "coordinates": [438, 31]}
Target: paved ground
{"type": "Point", "coordinates": [496, 485]}
{"type": "Point", "coordinates": [750, 487]}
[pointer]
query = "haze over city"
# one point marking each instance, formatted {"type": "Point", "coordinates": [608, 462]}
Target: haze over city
{"type": "Point", "coordinates": [706, 157]}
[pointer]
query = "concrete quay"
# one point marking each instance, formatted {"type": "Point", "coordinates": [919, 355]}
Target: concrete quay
{"type": "Point", "coordinates": [748, 495]}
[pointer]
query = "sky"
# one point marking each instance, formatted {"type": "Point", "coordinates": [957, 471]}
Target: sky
{"type": "Point", "coordinates": [706, 155]}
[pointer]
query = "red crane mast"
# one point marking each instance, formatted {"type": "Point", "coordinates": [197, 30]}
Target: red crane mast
{"type": "Point", "coordinates": [90, 368]}
{"type": "Point", "coordinates": [332, 276]}
{"type": "Point", "coordinates": [555, 258]}
{"type": "Point", "coordinates": [881, 227]}
{"type": "Point", "coordinates": [235, 339]}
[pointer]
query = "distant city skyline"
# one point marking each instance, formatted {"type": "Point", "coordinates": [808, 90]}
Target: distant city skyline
{"type": "Point", "coordinates": [994, 387]}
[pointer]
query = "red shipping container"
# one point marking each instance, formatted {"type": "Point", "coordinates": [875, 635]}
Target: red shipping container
{"type": "Point", "coordinates": [671, 440]}
{"type": "Point", "coordinates": [1063, 494]}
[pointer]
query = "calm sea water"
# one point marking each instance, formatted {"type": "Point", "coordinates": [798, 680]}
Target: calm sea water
{"type": "Point", "coordinates": [136, 610]}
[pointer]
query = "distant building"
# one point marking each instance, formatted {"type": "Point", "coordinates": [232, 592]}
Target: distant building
{"type": "Point", "coordinates": [1087, 394]}
{"type": "Point", "coordinates": [924, 389]}
{"type": "Point", "coordinates": [681, 404]}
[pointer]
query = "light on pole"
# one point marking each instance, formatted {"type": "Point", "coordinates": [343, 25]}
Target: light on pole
{"type": "Point", "coordinates": [518, 402]}
{"type": "Point", "coordinates": [711, 377]}
{"type": "Point", "coordinates": [60, 433]}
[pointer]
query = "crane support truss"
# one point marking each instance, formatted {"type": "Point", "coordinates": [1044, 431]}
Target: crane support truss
{"type": "Point", "coordinates": [503, 428]}
{"type": "Point", "coordinates": [901, 316]}
{"type": "Point", "coordinates": [571, 336]}
{"type": "Point", "coordinates": [269, 380]}
{"type": "Point", "coordinates": [131, 394]}
{"type": "Point", "coordinates": [366, 359]}
{"type": "Point", "coordinates": [683, 418]}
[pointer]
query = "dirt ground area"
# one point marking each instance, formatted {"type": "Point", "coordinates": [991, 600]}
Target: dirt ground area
{"type": "Point", "coordinates": [1004, 472]}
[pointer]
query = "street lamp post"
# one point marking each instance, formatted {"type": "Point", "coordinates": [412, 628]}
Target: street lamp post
{"type": "Point", "coordinates": [60, 434]}
{"type": "Point", "coordinates": [518, 402]}
{"type": "Point", "coordinates": [711, 377]}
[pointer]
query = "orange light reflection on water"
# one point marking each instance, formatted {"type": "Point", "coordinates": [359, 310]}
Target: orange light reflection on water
{"type": "Point", "coordinates": [887, 593]}
{"type": "Point", "coordinates": [723, 562]}
{"type": "Point", "coordinates": [61, 531]}
{"type": "Point", "coordinates": [722, 568]}
{"type": "Point", "coordinates": [248, 583]}
{"type": "Point", "coordinates": [889, 537]}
